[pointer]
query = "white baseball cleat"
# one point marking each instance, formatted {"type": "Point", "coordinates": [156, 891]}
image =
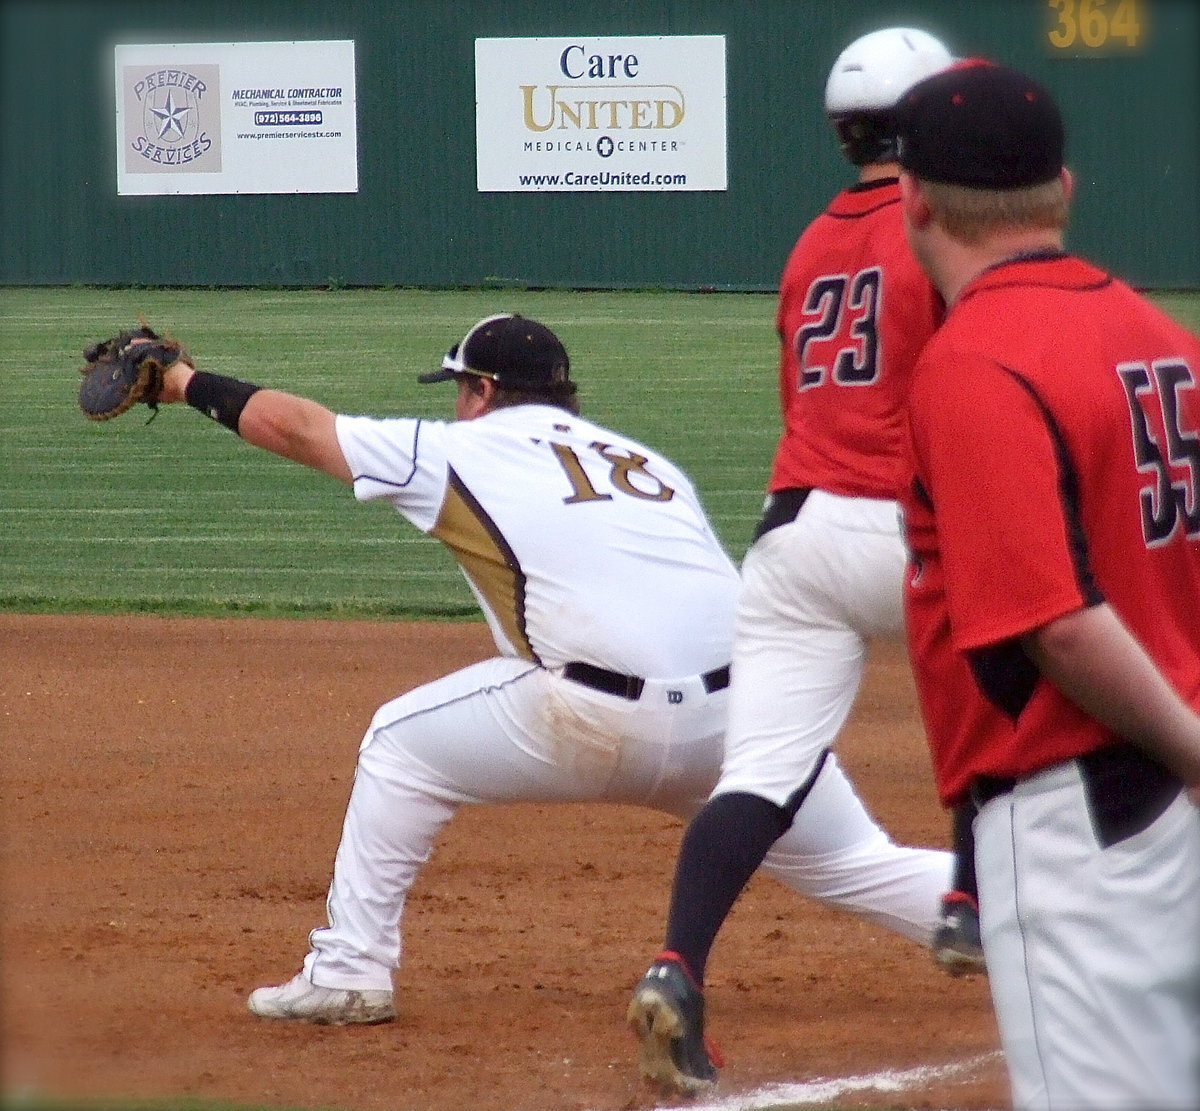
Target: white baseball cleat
{"type": "Point", "coordinates": [302, 1001]}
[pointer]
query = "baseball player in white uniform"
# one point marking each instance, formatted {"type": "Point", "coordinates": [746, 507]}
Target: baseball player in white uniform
{"type": "Point", "coordinates": [611, 602]}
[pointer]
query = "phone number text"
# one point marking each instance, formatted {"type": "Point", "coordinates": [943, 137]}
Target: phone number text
{"type": "Point", "coordinates": [287, 119]}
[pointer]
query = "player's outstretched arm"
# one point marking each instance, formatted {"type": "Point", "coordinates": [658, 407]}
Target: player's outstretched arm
{"type": "Point", "coordinates": [1098, 664]}
{"type": "Point", "coordinates": [293, 427]}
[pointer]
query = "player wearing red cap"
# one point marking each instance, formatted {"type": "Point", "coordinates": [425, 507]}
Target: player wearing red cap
{"type": "Point", "coordinates": [1054, 603]}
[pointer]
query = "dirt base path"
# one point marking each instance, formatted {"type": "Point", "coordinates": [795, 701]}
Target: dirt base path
{"type": "Point", "coordinates": [173, 792]}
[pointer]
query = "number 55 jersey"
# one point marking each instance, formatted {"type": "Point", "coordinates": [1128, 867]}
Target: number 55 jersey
{"type": "Point", "coordinates": [1056, 430]}
{"type": "Point", "coordinates": [578, 543]}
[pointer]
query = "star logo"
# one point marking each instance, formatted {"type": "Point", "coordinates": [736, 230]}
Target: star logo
{"type": "Point", "coordinates": [165, 117]}
{"type": "Point", "coordinates": [171, 117]}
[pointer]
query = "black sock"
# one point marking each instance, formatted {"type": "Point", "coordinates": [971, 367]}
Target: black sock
{"type": "Point", "coordinates": [964, 851]}
{"type": "Point", "coordinates": [721, 850]}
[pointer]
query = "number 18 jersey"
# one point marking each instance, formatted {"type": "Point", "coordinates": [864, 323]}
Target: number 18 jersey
{"type": "Point", "coordinates": [854, 312]}
{"type": "Point", "coordinates": [578, 543]}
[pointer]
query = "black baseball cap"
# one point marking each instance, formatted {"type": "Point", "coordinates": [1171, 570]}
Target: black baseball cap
{"type": "Point", "coordinates": [981, 125]}
{"type": "Point", "coordinates": [512, 350]}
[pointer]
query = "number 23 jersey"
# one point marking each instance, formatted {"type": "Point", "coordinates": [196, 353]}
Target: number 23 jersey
{"type": "Point", "coordinates": [578, 543]}
{"type": "Point", "coordinates": [855, 310]}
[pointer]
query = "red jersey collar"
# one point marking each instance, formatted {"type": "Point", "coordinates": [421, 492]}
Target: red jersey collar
{"type": "Point", "coordinates": [1048, 266]}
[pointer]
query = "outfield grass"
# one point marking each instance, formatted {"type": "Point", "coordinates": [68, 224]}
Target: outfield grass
{"type": "Point", "coordinates": [180, 516]}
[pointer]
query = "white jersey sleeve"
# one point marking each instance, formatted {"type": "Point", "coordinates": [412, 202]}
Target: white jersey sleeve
{"type": "Point", "coordinates": [401, 459]}
{"type": "Point", "coordinates": [579, 543]}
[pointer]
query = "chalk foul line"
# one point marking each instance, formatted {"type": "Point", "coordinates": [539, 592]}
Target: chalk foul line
{"type": "Point", "coordinates": [822, 1090]}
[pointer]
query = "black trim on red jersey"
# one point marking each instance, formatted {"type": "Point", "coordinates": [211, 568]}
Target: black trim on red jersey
{"type": "Point", "coordinates": [1069, 492]}
{"type": "Point", "coordinates": [1038, 254]}
{"type": "Point", "coordinates": [861, 213]}
{"type": "Point", "coordinates": [867, 186]}
{"type": "Point", "coordinates": [921, 492]}
{"type": "Point", "coordinates": [1005, 674]}
{"type": "Point", "coordinates": [858, 190]}
{"type": "Point", "coordinates": [1048, 254]}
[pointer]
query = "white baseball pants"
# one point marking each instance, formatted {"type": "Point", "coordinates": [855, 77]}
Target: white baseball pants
{"type": "Point", "coordinates": [505, 731]}
{"type": "Point", "coordinates": [1093, 953]}
{"type": "Point", "coordinates": [814, 592]}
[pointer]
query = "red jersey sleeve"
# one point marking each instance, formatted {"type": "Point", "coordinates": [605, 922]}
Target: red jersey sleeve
{"type": "Point", "coordinates": [1010, 553]}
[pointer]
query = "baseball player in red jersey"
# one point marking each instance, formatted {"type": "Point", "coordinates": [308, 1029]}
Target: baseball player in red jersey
{"type": "Point", "coordinates": [824, 575]}
{"type": "Point", "coordinates": [1054, 603]}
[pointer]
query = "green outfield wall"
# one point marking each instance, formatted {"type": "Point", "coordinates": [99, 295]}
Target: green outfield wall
{"type": "Point", "coordinates": [1125, 72]}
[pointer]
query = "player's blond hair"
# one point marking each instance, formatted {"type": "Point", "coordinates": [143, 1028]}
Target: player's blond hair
{"type": "Point", "coordinates": [971, 215]}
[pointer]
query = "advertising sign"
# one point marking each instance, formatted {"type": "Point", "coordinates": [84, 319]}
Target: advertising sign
{"type": "Point", "coordinates": [637, 113]}
{"type": "Point", "coordinates": [245, 117]}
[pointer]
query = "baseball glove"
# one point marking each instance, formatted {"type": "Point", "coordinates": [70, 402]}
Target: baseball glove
{"type": "Point", "coordinates": [121, 372]}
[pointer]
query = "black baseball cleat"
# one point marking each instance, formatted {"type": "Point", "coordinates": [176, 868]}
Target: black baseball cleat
{"type": "Point", "coordinates": [957, 948]}
{"type": "Point", "coordinates": [666, 1016]}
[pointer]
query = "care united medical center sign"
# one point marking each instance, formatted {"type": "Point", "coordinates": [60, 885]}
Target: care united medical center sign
{"type": "Point", "coordinates": [246, 117]}
{"type": "Point", "coordinates": [637, 113]}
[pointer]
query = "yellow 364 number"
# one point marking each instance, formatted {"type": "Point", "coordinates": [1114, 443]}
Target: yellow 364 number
{"type": "Point", "coordinates": [1094, 24]}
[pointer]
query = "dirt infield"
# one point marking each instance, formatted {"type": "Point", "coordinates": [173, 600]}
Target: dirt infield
{"type": "Point", "coordinates": [172, 798]}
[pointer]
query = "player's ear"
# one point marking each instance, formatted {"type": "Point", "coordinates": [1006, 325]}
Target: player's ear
{"type": "Point", "coordinates": [912, 201]}
{"type": "Point", "coordinates": [476, 396]}
{"type": "Point", "coordinates": [486, 390]}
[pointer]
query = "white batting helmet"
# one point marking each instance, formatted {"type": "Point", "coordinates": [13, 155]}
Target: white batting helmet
{"type": "Point", "coordinates": [868, 79]}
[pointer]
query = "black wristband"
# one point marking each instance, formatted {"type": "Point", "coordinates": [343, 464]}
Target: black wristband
{"type": "Point", "coordinates": [218, 397]}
